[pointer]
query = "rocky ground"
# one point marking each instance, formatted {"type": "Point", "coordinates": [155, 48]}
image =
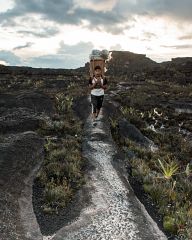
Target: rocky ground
{"type": "Point", "coordinates": [22, 152]}
{"type": "Point", "coordinates": [147, 104]}
{"type": "Point", "coordinates": [153, 128]}
{"type": "Point", "coordinates": [27, 105]}
{"type": "Point", "coordinates": [114, 212]}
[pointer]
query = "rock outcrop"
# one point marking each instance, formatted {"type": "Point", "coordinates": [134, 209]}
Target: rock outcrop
{"type": "Point", "coordinates": [20, 156]}
{"type": "Point", "coordinates": [128, 66]}
{"type": "Point", "coordinates": [128, 63]}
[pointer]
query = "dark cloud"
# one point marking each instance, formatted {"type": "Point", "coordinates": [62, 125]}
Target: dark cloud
{"type": "Point", "coordinates": [186, 37]}
{"type": "Point", "coordinates": [177, 9]}
{"type": "Point", "coordinates": [63, 12]}
{"type": "Point", "coordinates": [42, 33]}
{"type": "Point", "coordinates": [10, 58]}
{"type": "Point", "coordinates": [28, 44]}
{"type": "Point", "coordinates": [173, 8]}
{"type": "Point", "coordinates": [149, 35]}
{"type": "Point", "coordinates": [183, 46]}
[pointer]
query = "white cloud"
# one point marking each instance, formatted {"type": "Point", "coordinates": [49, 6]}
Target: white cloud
{"type": "Point", "coordinates": [62, 33]}
{"type": "Point", "coordinates": [3, 62]}
{"type": "Point", "coordinates": [6, 5]}
{"type": "Point", "coordinates": [9, 58]}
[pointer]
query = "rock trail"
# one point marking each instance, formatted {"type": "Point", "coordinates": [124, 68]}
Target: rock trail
{"type": "Point", "coordinates": [115, 213]}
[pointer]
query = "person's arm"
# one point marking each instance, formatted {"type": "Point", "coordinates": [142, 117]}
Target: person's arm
{"type": "Point", "coordinates": [91, 85]}
{"type": "Point", "coordinates": [104, 86]}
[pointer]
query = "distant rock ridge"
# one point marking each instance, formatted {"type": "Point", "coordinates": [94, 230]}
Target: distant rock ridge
{"type": "Point", "coordinates": [36, 71]}
{"type": "Point", "coordinates": [126, 65]}
{"type": "Point", "coordinates": [138, 67]}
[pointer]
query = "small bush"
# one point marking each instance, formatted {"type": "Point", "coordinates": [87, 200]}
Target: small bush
{"type": "Point", "coordinates": [57, 195]}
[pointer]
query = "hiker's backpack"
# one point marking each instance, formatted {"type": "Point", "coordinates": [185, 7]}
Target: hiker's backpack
{"type": "Point", "coordinates": [98, 58]}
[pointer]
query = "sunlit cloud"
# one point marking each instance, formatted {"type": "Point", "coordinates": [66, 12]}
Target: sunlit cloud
{"type": "Point", "coordinates": [4, 62]}
{"type": "Point", "coordinates": [98, 5]}
{"type": "Point", "coordinates": [62, 33]}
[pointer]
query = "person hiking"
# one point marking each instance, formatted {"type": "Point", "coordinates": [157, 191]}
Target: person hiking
{"type": "Point", "coordinates": [98, 85]}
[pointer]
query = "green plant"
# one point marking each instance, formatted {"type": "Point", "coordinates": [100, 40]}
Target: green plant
{"type": "Point", "coordinates": [58, 155]}
{"type": "Point", "coordinates": [54, 170]}
{"type": "Point", "coordinates": [49, 145]}
{"type": "Point", "coordinates": [181, 218]}
{"type": "Point", "coordinates": [42, 177]}
{"type": "Point", "coordinates": [48, 209]}
{"type": "Point", "coordinates": [57, 195]}
{"type": "Point", "coordinates": [72, 143]}
{"type": "Point", "coordinates": [172, 194]}
{"type": "Point", "coordinates": [147, 187]}
{"type": "Point", "coordinates": [141, 166]}
{"type": "Point", "coordinates": [188, 170]}
{"type": "Point", "coordinates": [63, 102]}
{"type": "Point", "coordinates": [71, 85]}
{"type": "Point", "coordinates": [69, 102]}
{"type": "Point", "coordinates": [126, 110]}
{"type": "Point", "coordinates": [158, 194]}
{"type": "Point", "coordinates": [38, 84]}
{"type": "Point", "coordinates": [113, 122]}
{"type": "Point", "coordinates": [168, 169]}
{"type": "Point", "coordinates": [169, 224]}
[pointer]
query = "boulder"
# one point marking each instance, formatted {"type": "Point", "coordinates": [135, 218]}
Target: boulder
{"type": "Point", "coordinates": [128, 130]}
{"type": "Point", "coordinates": [20, 154]}
{"type": "Point", "coordinates": [37, 101]}
{"type": "Point", "coordinates": [18, 120]}
{"type": "Point", "coordinates": [34, 100]}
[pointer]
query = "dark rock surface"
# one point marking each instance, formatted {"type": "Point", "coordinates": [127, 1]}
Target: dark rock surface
{"type": "Point", "coordinates": [20, 155]}
{"type": "Point", "coordinates": [18, 120]}
{"type": "Point", "coordinates": [81, 106]}
{"type": "Point", "coordinates": [128, 130]}
{"type": "Point", "coordinates": [17, 78]}
{"type": "Point", "coordinates": [35, 71]}
{"type": "Point", "coordinates": [34, 100]}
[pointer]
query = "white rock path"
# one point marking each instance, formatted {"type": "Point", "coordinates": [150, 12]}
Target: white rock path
{"type": "Point", "coordinates": [114, 213]}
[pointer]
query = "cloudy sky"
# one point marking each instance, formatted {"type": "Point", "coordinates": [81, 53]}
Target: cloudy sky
{"type": "Point", "coordinates": [62, 33]}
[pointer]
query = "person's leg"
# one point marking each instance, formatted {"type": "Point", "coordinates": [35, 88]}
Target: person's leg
{"type": "Point", "coordinates": [99, 104]}
{"type": "Point", "coordinates": [94, 106]}
{"type": "Point", "coordinates": [94, 115]}
{"type": "Point", "coordinates": [97, 112]}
